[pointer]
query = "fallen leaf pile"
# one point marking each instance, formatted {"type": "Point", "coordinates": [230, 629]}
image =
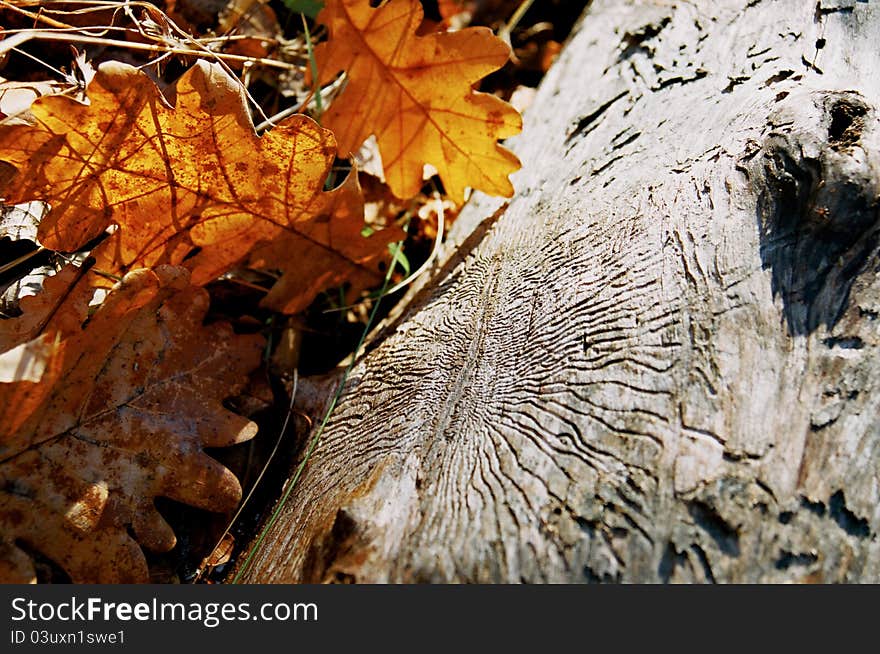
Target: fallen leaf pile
{"type": "Point", "coordinates": [108, 399]}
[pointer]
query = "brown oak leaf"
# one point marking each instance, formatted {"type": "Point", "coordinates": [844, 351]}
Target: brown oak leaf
{"type": "Point", "coordinates": [133, 397]}
{"type": "Point", "coordinates": [192, 182]}
{"type": "Point", "coordinates": [415, 94]}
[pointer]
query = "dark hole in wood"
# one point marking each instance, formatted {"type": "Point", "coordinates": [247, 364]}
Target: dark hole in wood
{"type": "Point", "coordinates": [845, 127]}
{"type": "Point", "coordinates": [846, 519]}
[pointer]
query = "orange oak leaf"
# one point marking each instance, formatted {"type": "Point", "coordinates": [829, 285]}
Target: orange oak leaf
{"type": "Point", "coordinates": [344, 216]}
{"type": "Point", "coordinates": [415, 94]}
{"type": "Point", "coordinates": [136, 399]}
{"type": "Point", "coordinates": [192, 182]}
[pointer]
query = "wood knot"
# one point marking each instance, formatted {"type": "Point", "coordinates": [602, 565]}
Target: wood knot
{"type": "Point", "coordinates": [816, 180]}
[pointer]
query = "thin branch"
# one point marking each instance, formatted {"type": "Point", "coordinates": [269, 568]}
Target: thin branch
{"type": "Point", "coordinates": [45, 35]}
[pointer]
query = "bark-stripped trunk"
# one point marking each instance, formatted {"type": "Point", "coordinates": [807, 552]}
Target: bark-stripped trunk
{"type": "Point", "coordinates": [660, 361]}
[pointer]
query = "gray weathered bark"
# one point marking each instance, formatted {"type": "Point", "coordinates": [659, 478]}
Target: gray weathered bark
{"type": "Point", "coordinates": [660, 361]}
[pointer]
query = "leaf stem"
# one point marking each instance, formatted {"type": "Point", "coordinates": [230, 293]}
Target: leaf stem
{"type": "Point", "coordinates": [517, 16]}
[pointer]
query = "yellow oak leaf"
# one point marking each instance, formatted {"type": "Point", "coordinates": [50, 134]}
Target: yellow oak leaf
{"type": "Point", "coordinates": [415, 94]}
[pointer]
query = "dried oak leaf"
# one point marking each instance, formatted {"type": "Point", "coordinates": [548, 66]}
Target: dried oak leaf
{"type": "Point", "coordinates": [31, 346]}
{"type": "Point", "coordinates": [136, 398]}
{"type": "Point", "coordinates": [344, 215]}
{"type": "Point", "coordinates": [415, 94]}
{"type": "Point", "coordinates": [60, 308]}
{"type": "Point", "coordinates": [191, 182]}
{"type": "Point", "coordinates": [16, 97]}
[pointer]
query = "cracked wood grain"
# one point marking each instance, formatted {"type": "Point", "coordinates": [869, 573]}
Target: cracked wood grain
{"type": "Point", "coordinates": [659, 364]}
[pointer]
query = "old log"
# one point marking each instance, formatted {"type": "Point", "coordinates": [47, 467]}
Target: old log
{"type": "Point", "coordinates": [659, 362]}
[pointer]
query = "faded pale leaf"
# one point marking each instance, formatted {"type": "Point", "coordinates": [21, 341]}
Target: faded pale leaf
{"type": "Point", "coordinates": [415, 94]}
{"type": "Point", "coordinates": [27, 361]}
{"type": "Point", "coordinates": [25, 286]}
{"type": "Point", "coordinates": [134, 397]}
{"type": "Point", "coordinates": [16, 99]}
{"type": "Point", "coordinates": [48, 318]}
{"type": "Point", "coordinates": [21, 221]}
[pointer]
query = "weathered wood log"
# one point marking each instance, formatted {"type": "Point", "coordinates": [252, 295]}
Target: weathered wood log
{"type": "Point", "coordinates": [660, 361]}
